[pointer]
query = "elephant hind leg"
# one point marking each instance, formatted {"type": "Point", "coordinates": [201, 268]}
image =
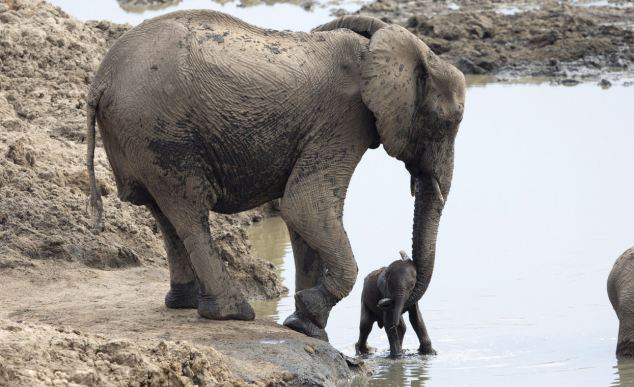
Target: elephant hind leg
{"type": "Point", "coordinates": [183, 293]}
{"type": "Point", "coordinates": [218, 299]}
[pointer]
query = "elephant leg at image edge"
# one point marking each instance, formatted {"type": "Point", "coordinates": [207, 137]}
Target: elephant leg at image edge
{"type": "Point", "coordinates": [218, 298]}
{"type": "Point", "coordinates": [183, 291]}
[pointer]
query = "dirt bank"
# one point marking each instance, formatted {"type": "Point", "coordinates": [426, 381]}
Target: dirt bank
{"type": "Point", "coordinates": [46, 63]}
{"type": "Point", "coordinates": [536, 37]}
{"type": "Point", "coordinates": [111, 306]}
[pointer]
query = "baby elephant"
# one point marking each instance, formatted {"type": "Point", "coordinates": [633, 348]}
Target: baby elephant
{"type": "Point", "coordinates": [385, 292]}
{"type": "Point", "coordinates": [621, 293]}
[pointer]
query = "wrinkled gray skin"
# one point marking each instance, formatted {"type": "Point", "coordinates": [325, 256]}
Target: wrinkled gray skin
{"type": "Point", "coordinates": [385, 292]}
{"type": "Point", "coordinates": [202, 112]}
{"type": "Point", "coordinates": [621, 293]}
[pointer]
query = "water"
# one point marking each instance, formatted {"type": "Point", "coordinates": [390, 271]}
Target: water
{"type": "Point", "coordinates": [275, 14]}
{"type": "Point", "coordinates": [541, 206]}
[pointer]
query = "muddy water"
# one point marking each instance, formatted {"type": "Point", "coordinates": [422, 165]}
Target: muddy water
{"type": "Point", "coordinates": [540, 208]}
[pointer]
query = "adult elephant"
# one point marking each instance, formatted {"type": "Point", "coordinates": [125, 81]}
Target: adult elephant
{"type": "Point", "coordinates": [200, 111]}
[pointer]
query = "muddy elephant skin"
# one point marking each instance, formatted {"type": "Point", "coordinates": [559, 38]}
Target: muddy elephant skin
{"type": "Point", "coordinates": [202, 112]}
{"type": "Point", "coordinates": [621, 294]}
{"type": "Point", "coordinates": [383, 298]}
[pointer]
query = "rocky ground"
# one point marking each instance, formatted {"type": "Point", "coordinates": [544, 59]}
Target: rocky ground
{"type": "Point", "coordinates": [519, 37]}
{"type": "Point", "coordinates": [86, 308]}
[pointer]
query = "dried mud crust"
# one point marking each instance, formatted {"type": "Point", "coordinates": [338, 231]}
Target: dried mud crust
{"type": "Point", "coordinates": [520, 37]}
{"type": "Point", "coordinates": [62, 356]}
{"type": "Point", "coordinates": [47, 60]}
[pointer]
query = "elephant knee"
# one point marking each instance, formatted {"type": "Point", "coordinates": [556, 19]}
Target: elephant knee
{"type": "Point", "coordinates": [340, 280]}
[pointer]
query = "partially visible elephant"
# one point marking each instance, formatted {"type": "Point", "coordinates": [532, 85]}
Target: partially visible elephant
{"type": "Point", "coordinates": [621, 294]}
{"type": "Point", "coordinates": [202, 112]}
{"type": "Point", "coordinates": [383, 298]}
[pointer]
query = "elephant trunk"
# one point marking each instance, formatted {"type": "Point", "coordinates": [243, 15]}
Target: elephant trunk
{"type": "Point", "coordinates": [392, 323]}
{"type": "Point", "coordinates": [430, 195]}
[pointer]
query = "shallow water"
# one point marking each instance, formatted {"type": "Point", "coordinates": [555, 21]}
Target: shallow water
{"type": "Point", "coordinates": [541, 206]}
{"type": "Point", "coordinates": [275, 14]}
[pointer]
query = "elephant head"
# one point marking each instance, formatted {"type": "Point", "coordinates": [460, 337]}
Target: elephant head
{"type": "Point", "coordinates": [418, 101]}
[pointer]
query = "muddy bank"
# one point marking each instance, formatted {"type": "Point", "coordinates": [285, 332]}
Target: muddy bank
{"type": "Point", "coordinates": [110, 306]}
{"type": "Point", "coordinates": [46, 63]}
{"type": "Point", "coordinates": [520, 38]}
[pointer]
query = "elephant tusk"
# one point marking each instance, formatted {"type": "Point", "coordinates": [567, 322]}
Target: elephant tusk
{"type": "Point", "coordinates": [412, 186]}
{"type": "Point", "coordinates": [434, 183]}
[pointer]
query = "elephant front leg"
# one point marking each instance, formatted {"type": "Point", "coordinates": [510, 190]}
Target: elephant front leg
{"type": "Point", "coordinates": [183, 291]}
{"type": "Point", "coordinates": [313, 211]}
{"type": "Point", "coordinates": [418, 324]}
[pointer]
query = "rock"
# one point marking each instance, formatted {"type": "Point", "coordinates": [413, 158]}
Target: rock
{"type": "Point", "coordinates": [468, 67]}
{"type": "Point", "coordinates": [21, 155]}
{"type": "Point", "coordinates": [584, 40]}
{"type": "Point", "coordinates": [605, 84]}
{"type": "Point", "coordinates": [570, 82]}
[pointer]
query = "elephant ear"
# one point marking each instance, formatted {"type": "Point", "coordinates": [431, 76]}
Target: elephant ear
{"type": "Point", "coordinates": [393, 73]}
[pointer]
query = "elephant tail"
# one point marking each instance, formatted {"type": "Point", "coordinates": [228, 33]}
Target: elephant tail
{"type": "Point", "coordinates": [362, 25]}
{"type": "Point", "coordinates": [96, 205]}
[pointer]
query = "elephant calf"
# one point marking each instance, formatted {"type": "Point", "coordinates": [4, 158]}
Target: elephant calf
{"type": "Point", "coordinates": [383, 300]}
{"type": "Point", "coordinates": [621, 293]}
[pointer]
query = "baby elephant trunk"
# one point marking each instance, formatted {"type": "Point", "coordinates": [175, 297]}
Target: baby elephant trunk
{"type": "Point", "coordinates": [394, 330]}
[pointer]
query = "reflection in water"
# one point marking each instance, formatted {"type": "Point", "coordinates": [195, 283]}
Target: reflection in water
{"type": "Point", "coordinates": [624, 375]}
{"type": "Point", "coordinates": [410, 370]}
{"type": "Point", "coordinates": [270, 241]}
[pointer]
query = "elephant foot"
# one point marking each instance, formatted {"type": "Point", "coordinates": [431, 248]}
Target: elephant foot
{"type": "Point", "coordinates": [302, 324]}
{"type": "Point", "coordinates": [315, 303]}
{"type": "Point", "coordinates": [225, 308]}
{"type": "Point", "coordinates": [363, 349]}
{"type": "Point", "coordinates": [182, 296]}
{"type": "Point", "coordinates": [427, 350]}
{"type": "Point", "coordinates": [625, 349]}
